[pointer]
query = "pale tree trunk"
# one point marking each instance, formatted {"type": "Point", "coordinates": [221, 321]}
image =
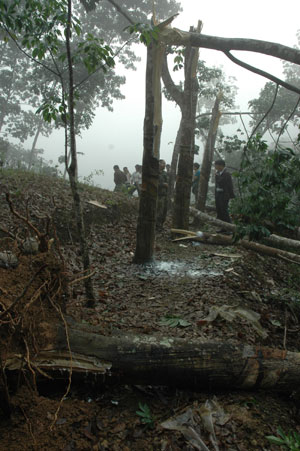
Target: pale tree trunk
{"type": "Point", "coordinates": [8, 95]}
{"type": "Point", "coordinates": [208, 155]}
{"type": "Point", "coordinates": [177, 96]}
{"type": "Point", "coordinates": [152, 132]}
{"type": "Point", "coordinates": [72, 170]}
{"type": "Point", "coordinates": [174, 163]}
{"type": "Point", "coordinates": [37, 134]}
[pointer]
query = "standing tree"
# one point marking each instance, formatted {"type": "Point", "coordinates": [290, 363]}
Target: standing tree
{"type": "Point", "coordinates": [44, 32]}
{"type": "Point", "coordinates": [186, 134]}
{"type": "Point", "coordinates": [152, 133]}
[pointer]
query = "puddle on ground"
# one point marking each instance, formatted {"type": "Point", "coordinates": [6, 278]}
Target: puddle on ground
{"type": "Point", "coordinates": [178, 269]}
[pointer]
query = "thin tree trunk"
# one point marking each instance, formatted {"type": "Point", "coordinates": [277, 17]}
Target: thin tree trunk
{"type": "Point", "coordinates": [37, 134]}
{"type": "Point", "coordinates": [152, 132]}
{"type": "Point", "coordinates": [208, 155]}
{"type": "Point", "coordinates": [72, 169]}
{"type": "Point", "coordinates": [174, 163]}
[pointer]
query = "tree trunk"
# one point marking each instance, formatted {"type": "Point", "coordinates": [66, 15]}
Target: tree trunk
{"type": "Point", "coordinates": [208, 155]}
{"type": "Point", "coordinates": [192, 364]}
{"type": "Point", "coordinates": [8, 95]}
{"type": "Point", "coordinates": [215, 238]}
{"type": "Point", "coordinates": [72, 169]}
{"type": "Point", "coordinates": [187, 137]}
{"type": "Point", "coordinates": [36, 136]}
{"type": "Point", "coordinates": [273, 240]}
{"type": "Point", "coordinates": [152, 132]}
{"type": "Point", "coordinates": [174, 163]}
{"type": "Point", "coordinates": [177, 96]}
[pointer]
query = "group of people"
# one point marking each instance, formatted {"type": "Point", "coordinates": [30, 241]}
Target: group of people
{"type": "Point", "coordinates": [223, 187]}
{"type": "Point", "coordinates": [129, 183]}
{"type": "Point", "coordinates": [124, 181]}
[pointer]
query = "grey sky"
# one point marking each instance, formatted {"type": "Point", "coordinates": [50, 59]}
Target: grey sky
{"type": "Point", "coordinates": [117, 137]}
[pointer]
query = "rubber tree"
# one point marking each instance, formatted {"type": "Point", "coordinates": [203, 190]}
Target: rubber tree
{"type": "Point", "coordinates": [152, 133]}
{"type": "Point", "coordinates": [48, 21]}
{"type": "Point", "coordinates": [186, 99]}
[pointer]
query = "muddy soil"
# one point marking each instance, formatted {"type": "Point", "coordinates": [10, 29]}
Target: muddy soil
{"type": "Point", "coordinates": [178, 295]}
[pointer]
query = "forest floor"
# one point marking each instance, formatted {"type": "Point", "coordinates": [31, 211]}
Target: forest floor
{"type": "Point", "coordinates": [177, 296]}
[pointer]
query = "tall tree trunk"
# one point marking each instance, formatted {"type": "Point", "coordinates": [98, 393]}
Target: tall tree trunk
{"type": "Point", "coordinates": [152, 132]}
{"type": "Point", "coordinates": [187, 137]}
{"type": "Point", "coordinates": [72, 168]}
{"type": "Point", "coordinates": [208, 154]}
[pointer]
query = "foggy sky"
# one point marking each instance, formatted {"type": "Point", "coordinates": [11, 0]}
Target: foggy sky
{"type": "Point", "coordinates": [117, 137]}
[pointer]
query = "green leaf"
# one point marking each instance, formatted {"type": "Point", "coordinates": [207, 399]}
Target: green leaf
{"type": "Point", "coordinates": [276, 440]}
{"type": "Point", "coordinates": [173, 321]}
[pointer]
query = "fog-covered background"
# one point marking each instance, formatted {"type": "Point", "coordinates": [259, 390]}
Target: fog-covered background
{"type": "Point", "coordinates": [117, 137]}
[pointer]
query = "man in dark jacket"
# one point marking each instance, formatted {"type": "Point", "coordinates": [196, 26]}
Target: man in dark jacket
{"type": "Point", "coordinates": [223, 191]}
{"type": "Point", "coordinates": [119, 178]}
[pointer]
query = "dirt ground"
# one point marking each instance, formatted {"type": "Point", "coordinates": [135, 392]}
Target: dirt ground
{"type": "Point", "coordinates": [177, 296]}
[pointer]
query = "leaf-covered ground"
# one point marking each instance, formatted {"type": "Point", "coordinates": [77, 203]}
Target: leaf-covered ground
{"type": "Point", "coordinates": [190, 291]}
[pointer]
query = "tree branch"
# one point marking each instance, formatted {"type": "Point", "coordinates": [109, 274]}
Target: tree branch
{"type": "Point", "coordinates": [287, 120]}
{"type": "Point", "coordinates": [249, 45]}
{"type": "Point", "coordinates": [276, 80]}
{"type": "Point", "coordinates": [121, 11]}
{"type": "Point", "coordinates": [266, 113]}
{"type": "Point", "coordinates": [27, 54]}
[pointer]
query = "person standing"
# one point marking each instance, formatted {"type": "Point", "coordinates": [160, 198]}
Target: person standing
{"type": "Point", "coordinates": [128, 175]}
{"type": "Point", "coordinates": [196, 179]}
{"type": "Point", "coordinates": [223, 191]}
{"type": "Point", "coordinates": [136, 179]}
{"type": "Point", "coordinates": [162, 195]}
{"type": "Point", "coordinates": [119, 178]}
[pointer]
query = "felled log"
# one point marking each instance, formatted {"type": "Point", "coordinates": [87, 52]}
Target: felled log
{"type": "Point", "coordinates": [216, 238]}
{"type": "Point", "coordinates": [191, 364]}
{"type": "Point", "coordinates": [273, 240]}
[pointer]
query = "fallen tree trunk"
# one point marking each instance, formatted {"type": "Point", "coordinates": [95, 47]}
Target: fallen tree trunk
{"type": "Point", "coordinates": [273, 240]}
{"type": "Point", "coordinates": [215, 238]}
{"type": "Point", "coordinates": [192, 364]}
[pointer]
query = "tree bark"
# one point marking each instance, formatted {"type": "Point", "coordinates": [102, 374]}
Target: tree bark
{"type": "Point", "coordinates": [187, 137]}
{"type": "Point", "coordinates": [150, 172]}
{"type": "Point", "coordinates": [194, 364]}
{"type": "Point", "coordinates": [208, 155]}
